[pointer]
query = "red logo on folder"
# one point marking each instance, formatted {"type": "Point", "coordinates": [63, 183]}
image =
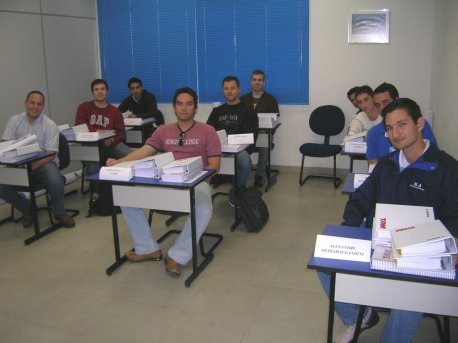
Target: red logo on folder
{"type": "Point", "coordinates": [382, 223]}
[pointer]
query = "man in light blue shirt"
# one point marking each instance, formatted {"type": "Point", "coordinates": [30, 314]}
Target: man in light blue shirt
{"type": "Point", "coordinates": [378, 143]}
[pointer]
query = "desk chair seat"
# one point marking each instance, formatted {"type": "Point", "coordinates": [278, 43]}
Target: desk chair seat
{"type": "Point", "coordinates": [327, 121]}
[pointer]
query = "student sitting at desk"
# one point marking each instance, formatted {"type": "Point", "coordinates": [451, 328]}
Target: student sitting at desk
{"type": "Point", "coordinates": [261, 102]}
{"type": "Point", "coordinates": [46, 170]}
{"type": "Point", "coordinates": [417, 173]}
{"type": "Point", "coordinates": [369, 116]}
{"type": "Point", "coordinates": [378, 144]}
{"type": "Point", "coordinates": [351, 95]}
{"type": "Point", "coordinates": [99, 115]}
{"type": "Point", "coordinates": [235, 117]}
{"type": "Point", "coordinates": [184, 138]}
{"type": "Point", "coordinates": [141, 104]}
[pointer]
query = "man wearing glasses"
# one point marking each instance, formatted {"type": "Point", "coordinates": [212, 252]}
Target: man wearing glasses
{"type": "Point", "coordinates": [184, 138]}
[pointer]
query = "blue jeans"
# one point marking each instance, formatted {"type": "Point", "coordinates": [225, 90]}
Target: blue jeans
{"type": "Point", "coordinates": [181, 251]}
{"type": "Point", "coordinates": [47, 175]}
{"type": "Point", "coordinates": [262, 162]}
{"type": "Point", "coordinates": [400, 328]}
{"type": "Point", "coordinates": [244, 165]}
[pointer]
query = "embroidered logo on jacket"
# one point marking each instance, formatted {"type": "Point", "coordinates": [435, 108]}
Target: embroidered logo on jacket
{"type": "Point", "coordinates": [417, 185]}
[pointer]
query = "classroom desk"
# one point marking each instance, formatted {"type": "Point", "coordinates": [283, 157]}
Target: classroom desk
{"type": "Point", "coordinates": [89, 151]}
{"type": "Point", "coordinates": [19, 175]}
{"type": "Point", "coordinates": [136, 134]}
{"type": "Point", "coordinates": [265, 140]}
{"type": "Point", "coordinates": [155, 194]}
{"type": "Point", "coordinates": [382, 289]}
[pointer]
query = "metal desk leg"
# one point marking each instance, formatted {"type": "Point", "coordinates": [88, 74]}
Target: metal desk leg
{"type": "Point", "coordinates": [331, 307]}
{"type": "Point", "coordinates": [119, 260]}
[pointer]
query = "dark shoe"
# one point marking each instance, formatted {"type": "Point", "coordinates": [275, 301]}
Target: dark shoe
{"type": "Point", "coordinates": [27, 220]}
{"type": "Point", "coordinates": [154, 256]}
{"type": "Point", "coordinates": [66, 220]}
{"type": "Point", "coordinates": [257, 181]}
{"type": "Point", "coordinates": [172, 267]}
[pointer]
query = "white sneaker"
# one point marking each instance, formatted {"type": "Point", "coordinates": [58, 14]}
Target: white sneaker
{"type": "Point", "coordinates": [370, 319]}
{"type": "Point", "coordinates": [346, 335]}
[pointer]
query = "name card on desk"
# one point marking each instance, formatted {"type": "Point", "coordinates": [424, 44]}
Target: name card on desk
{"type": "Point", "coordinates": [115, 173]}
{"type": "Point", "coordinates": [340, 248]}
{"type": "Point", "coordinates": [359, 179]}
{"type": "Point", "coordinates": [242, 138]}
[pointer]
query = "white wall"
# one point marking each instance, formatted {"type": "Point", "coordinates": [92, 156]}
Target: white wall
{"type": "Point", "coordinates": [445, 75]}
{"type": "Point", "coordinates": [48, 45]}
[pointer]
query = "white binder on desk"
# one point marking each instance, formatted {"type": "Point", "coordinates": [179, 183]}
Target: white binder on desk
{"type": "Point", "coordinates": [185, 165]}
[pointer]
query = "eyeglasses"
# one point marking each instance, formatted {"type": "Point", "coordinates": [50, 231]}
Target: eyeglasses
{"type": "Point", "coordinates": [181, 140]}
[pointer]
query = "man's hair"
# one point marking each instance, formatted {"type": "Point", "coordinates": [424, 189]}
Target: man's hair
{"type": "Point", "coordinates": [364, 90]}
{"type": "Point", "coordinates": [259, 72]}
{"type": "Point", "coordinates": [185, 90]}
{"type": "Point", "coordinates": [134, 80]}
{"type": "Point", "coordinates": [410, 106]}
{"type": "Point", "coordinates": [387, 87]}
{"type": "Point", "coordinates": [97, 82]}
{"type": "Point", "coordinates": [35, 92]}
{"type": "Point", "coordinates": [231, 78]}
{"type": "Point", "coordinates": [351, 91]}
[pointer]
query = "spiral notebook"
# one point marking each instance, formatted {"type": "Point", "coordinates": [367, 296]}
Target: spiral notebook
{"type": "Point", "coordinates": [382, 259]}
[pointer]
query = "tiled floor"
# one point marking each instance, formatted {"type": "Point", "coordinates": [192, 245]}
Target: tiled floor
{"type": "Point", "coordinates": [257, 289]}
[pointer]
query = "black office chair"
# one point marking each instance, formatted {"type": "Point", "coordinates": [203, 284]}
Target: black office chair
{"type": "Point", "coordinates": [328, 120]}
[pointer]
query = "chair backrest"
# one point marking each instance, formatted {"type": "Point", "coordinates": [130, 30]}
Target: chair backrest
{"type": "Point", "coordinates": [64, 152]}
{"type": "Point", "coordinates": [327, 120]}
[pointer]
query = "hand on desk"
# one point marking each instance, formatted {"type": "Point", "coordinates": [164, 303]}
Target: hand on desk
{"type": "Point", "coordinates": [109, 141]}
{"type": "Point", "coordinates": [111, 162]}
{"type": "Point", "coordinates": [131, 115]}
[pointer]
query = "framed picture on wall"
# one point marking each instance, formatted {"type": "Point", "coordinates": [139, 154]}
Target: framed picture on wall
{"type": "Point", "coordinates": [369, 27]}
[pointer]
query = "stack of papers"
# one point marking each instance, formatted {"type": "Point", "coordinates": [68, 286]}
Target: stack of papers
{"type": "Point", "coordinates": [226, 147]}
{"type": "Point", "coordinates": [355, 143]}
{"type": "Point", "coordinates": [382, 259]}
{"type": "Point", "coordinates": [182, 170]}
{"type": "Point", "coordinates": [389, 217]}
{"type": "Point", "coordinates": [19, 149]}
{"type": "Point", "coordinates": [152, 166]}
{"type": "Point", "coordinates": [81, 133]}
{"type": "Point", "coordinates": [428, 239]}
{"type": "Point", "coordinates": [267, 120]}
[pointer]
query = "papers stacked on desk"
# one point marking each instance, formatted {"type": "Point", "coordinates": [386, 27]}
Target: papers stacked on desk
{"type": "Point", "coordinates": [425, 249]}
{"type": "Point", "coordinates": [355, 143]}
{"type": "Point", "coordinates": [19, 149]}
{"type": "Point", "coordinates": [235, 147]}
{"type": "Point", "coordinates": [81, 133]}
{"type": "Point", "coordinates": [136, 121]}
{"type": "Point", "coordinates": [182, 170]}
{"type": "Point", "coordinates": [267, 120]}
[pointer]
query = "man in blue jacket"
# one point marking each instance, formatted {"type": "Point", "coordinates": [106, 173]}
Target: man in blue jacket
{"type": "Point", "coordinates": [416, 173]}
{"type": "Point", "coordinates": [378, 143]}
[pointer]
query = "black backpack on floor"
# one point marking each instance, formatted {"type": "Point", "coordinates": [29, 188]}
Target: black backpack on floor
{"type": "Point", "coordinates": [253, 210]}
